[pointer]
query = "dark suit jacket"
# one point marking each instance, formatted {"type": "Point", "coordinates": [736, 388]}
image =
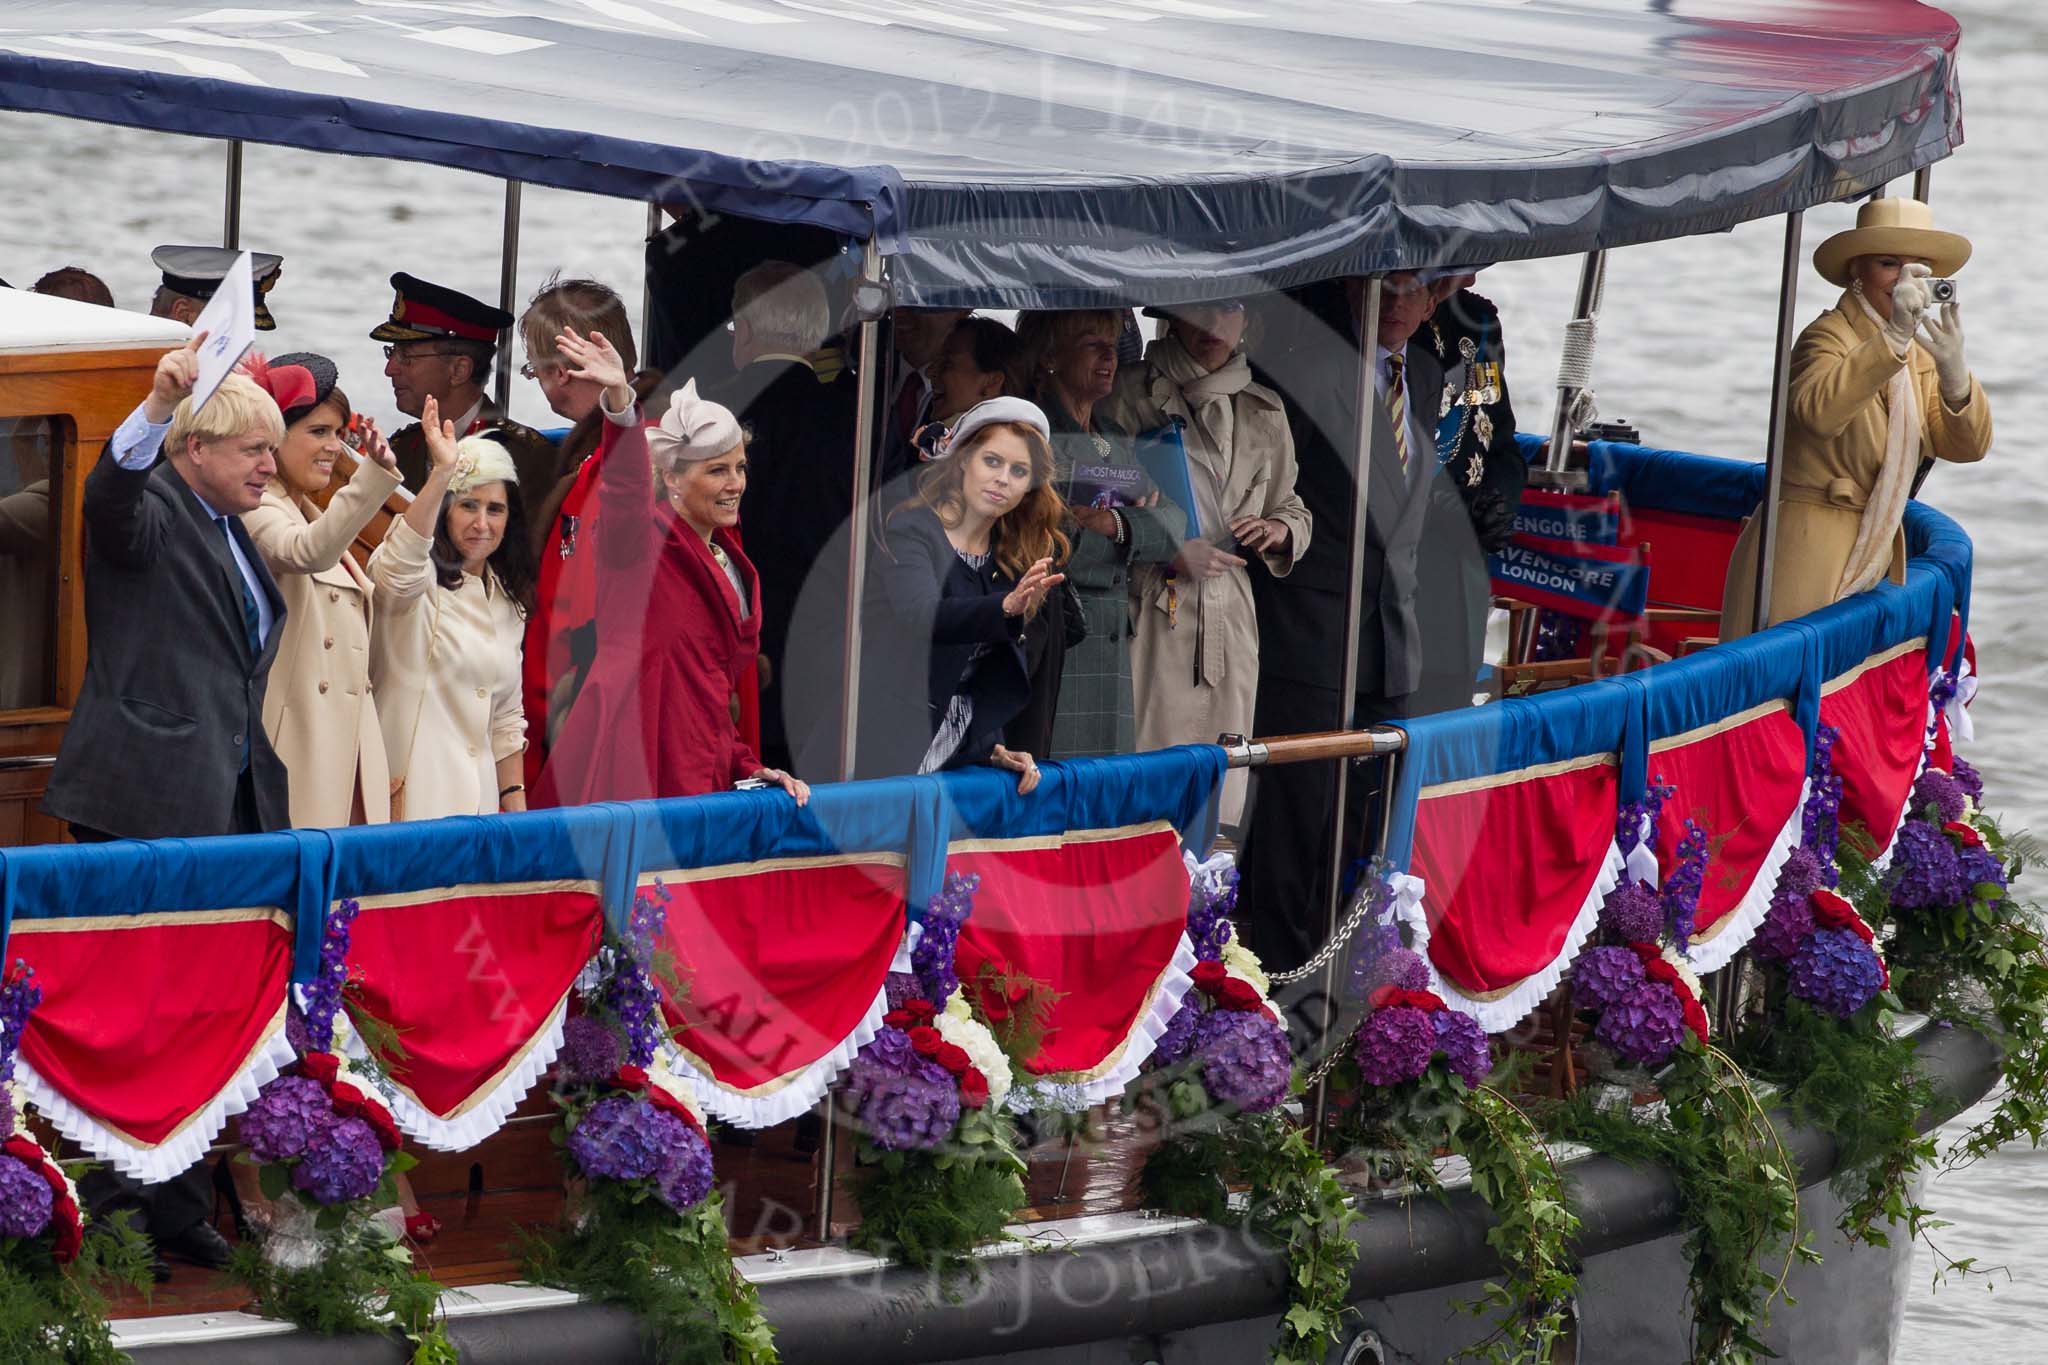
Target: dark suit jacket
{"type": "Point", "coordinates": [172, 701]}
{"type": "Point", "coordinates": [1486, 458]}
{"type": "Point", "coordinates": [1423, 616]}
{"type": "Point", "coordinates": [933, 627]}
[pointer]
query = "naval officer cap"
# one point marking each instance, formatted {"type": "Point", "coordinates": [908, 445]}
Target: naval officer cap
{"type": "Point", "coordinates": [429, 312]}
{"type": "Point", "coordinates": [196, 272]}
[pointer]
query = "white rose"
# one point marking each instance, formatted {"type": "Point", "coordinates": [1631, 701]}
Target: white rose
{"type": "Point", "coordinates": [1242, 962]}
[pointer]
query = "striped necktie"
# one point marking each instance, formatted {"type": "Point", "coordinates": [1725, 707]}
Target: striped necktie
{"type": "Point", "coordinates": [1397, 409]}
{"type": "Point", "coordinates": [252, 619]}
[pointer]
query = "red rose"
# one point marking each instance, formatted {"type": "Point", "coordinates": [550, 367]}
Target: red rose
{"type": "Point", "coordinates": [321, 1066]}
{"type": "Point", "coordinates": [1239, 995]}
{"type": "Point", "coordinates": [925, 1041]}
{"type": "Point", "coordinates": [24, 1147]}
{"type": "Point", "coordinates": [1383, 996]}
{"type": "Point", "coordinates": [1427, 1001]}
{"type": "Point", "coordinates": [953, 1057]}
{"type": "Point", "coordinates": [383, 1125]}
{"type": "Point", "coordinates": [661, 1099]}
{"type": "Point", "coordinates": [1647, 952]}
{"type": "Point", "coordinates": [1657, 969]}
{"type": "Point", "coordinates": [897, 1019]}
{"type": "Point", "coordinates": [1209, 977]}
{"type": "Point", "coordinates": [53, 1177]}
{"type": "Point", "coordinates": [1695, 1015]}
{"type": "Point", "coordinates": [630, 1078]}
{"type": "Point", "coordinates": [973, 1088]}
{"type": "Point", "coordinates": [1884, 973]}
{"type": "Point", "coordinates": [70, 1237]}
{"type": "Point", "coordinates": [1831, 908]}
{"type": "Point", "coordinates": [348, 1101]}
{"type": "Point", "coordinates": [923, 1011]}
{"type": "Point", "coordinates": [1964, 834]}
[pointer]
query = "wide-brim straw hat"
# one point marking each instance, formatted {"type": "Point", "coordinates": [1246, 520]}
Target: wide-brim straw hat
{"type": "Point", "coordinates": [1892, 227]}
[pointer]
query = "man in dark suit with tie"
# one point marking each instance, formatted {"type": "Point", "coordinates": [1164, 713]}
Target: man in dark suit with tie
{"type": "Point", "coordinates": [182, 621]}
{"type": "Point", "coordinates": [1422, 617]}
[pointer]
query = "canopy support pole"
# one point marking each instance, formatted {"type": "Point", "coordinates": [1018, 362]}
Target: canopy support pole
{"type": "Point", "coordinates": [1774, 449]}
{"type": "Point", "coordinates": [868, 406]}
{"type": "Point", "coordinates": [1354, 601]}
{"type": "Point", "coordinates": [646, 294]}
{"type": "Point", "coordinates": [231, 221]}
{"type": "Point", "coordinates": [1592, 281]}
{"type": "Point", "coordinates": [508, 289]}
{"type": "Point", "coordinates": [1923, 185]}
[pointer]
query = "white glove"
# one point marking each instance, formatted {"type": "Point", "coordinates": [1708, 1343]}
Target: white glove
{"type": "Point", "coordinates": [1910, 299]}
{"type": "Point", "coordinates": [1943, 338]}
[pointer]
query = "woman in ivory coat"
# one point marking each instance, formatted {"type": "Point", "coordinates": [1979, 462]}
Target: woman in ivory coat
{"type": "Point", "coordinates": [318, 710]}
{"type": "Point", "coordinates": [1195, 644]}
{"type": "Point", "coordinates": [454, 580]}
{"type": "Point", "coordinates": [1877, 381]}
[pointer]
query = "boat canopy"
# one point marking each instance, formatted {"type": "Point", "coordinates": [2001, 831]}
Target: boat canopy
{"type": "Point", "coordinates": [1064, 153]}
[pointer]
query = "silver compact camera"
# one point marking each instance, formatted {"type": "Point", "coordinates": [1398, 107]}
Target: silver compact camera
{"type": "Point", "coordinates": [1941, 290]}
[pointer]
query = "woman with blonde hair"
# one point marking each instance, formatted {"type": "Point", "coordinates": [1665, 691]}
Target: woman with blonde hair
{"type": "Point", "coordinates": [454, 582]}
{"type": "Point", "coordinates": [318, 711]}
{"type": "Point", "coordinates": [1877, 381]}
{"type": "Point", "coordinates": [968, 560]}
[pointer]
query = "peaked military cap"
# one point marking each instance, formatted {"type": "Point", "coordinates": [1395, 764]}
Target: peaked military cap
{"type": "Point", "coordinates": [427, 312]}
{"type": "Point", "coordinates": [196, 272]}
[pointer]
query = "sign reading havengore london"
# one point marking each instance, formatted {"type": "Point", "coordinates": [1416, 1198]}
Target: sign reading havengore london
{"type": "Point", "coordinates": [1590, 582]}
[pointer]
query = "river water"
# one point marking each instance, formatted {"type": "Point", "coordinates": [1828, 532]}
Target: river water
{"type": "Point", "coordinates": [1684, 354]}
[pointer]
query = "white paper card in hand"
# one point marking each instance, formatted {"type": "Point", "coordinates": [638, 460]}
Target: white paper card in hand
{"type": "Point", "coordinates": [229, 321]}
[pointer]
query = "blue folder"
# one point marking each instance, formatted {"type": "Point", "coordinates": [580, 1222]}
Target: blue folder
{"type": "Point", "coordinates": [1164, 456]}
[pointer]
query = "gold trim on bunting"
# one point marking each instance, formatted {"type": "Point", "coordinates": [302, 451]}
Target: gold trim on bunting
{"type": "Point", "coordinates": [1718, 727]}
{"type": "Point", "coordinates": [263, 1040]}
{"type": "Point", "coordinates": [1509, 779]}
{"type": "Point", "coordinates": [466, 889]}
{"type": "Point", "coordinates": [154, 919]}
{"type": "Point", "coordinates": [496, 1078]}
{"type": "Point", "coordinates": [1878, 660]}
{"type": "Point", "coordinates": [1033, 842]}
{"type": "Point", "coordinates": [719, 872]}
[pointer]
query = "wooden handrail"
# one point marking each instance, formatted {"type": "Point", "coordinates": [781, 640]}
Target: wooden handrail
{"type": "Point", "coordinates": [1313, 748]}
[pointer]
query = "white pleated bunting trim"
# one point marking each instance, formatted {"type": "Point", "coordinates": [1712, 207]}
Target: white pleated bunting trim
{"type": "Point", "coordinates": [1501, 1013]}
{"type": "Point", "coordinates": [1739, 925]}
{"type": "Point", "coordinates": [795, 1093]}
{"type": "Point", "coordinates": [482, 1115]}
{"type": "Point", "coordinates": [177, 1153]}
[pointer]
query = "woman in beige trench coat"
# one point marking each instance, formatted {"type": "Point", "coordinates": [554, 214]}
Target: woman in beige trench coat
{"type": "Point", "coordinates": [1195, 638]}
{"type": "Point", "coordinates": [318, 710]}
{"type": "Point", "coordinates": [1876, 381]}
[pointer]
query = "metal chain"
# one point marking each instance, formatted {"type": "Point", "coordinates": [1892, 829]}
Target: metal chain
{"type": "Point", "coordinates": [1360, 904]}
{"type": "Point", "coordinates": [1328, 1064]}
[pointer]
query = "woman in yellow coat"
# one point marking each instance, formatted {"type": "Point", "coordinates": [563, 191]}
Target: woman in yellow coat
{"type": "Point", "coordinates": [1876, 382]}
{"type": "Point", "coordinates": [318, 710]}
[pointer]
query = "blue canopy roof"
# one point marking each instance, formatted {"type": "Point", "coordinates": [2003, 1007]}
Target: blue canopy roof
{"type": "Point", "coordinates": [1069, 152]}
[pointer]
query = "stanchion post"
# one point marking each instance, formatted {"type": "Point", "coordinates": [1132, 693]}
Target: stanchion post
{"type": "Point", "coordinates": [508, 289]}
{"type": "Point", "coordinates": [1774, 447]}
{"type": "Point", "coordinates": [231, 220]}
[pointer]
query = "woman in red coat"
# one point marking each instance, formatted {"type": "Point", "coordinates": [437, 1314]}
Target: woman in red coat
{"type": "Point", "coordinates": [679, 606]}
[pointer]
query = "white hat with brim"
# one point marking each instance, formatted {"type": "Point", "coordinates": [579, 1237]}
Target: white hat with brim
{"type": "Point", "coordinates": [1892, 227]}
{"type": "Point", "coordinates": [991, 412]}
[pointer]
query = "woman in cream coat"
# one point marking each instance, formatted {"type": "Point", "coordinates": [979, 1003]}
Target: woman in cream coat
{"type": "Point", "coordinates": [1876, 382]}
{"type": "Point", "coordinates": [318, 710]}
{"type": "Point", "coordinates": [454, 580]}
{"type": "Point", "coordinates": [1195, 643]}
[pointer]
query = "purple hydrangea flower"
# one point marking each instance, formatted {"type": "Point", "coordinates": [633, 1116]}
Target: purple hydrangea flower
{"type": "Point", "coordinates": [1967, 777]}
{"type": "Point", "coordinates": [1837, 971]}
{"type": "Point", "coordinates": [909, 1112]}
{"type": "Point", "coordinates": [1602, 976]}
{"type": "Point", "coordinates": [1463, 1043]}
{"type": "Point", "coordinates": [614, 1140]}
{"type": "Point", "coordinates": [1632, 913]}
{"type": "Point", "coordinates": [1179, 1037]}
{"type": "Point", "coordinates": [1245, 1061]}
{"type": "Point", "coordinates": [1645, 1026]}
{"type": "Point", "coordinates": [891, 1049]}
{"type": "Point", "coordinates": [899, 987]}
{"type": "Point", "coordinates": [289, 1113]}
{"type": "Point", "coordinates": [1790, 918]}
{"type": "Point", "coordinates": [1395, 1044]}
{"type": "Point", "coordinates": [686, 1177]}
{"type": "Point", "coordinates": [1941, 791]}
{"type": "Point", "coordinates": [344, 1161]}
{"type": "Point", "coordinates": [1980, 865]}
{"type": "Point", "coordinates": [295, 1028]}
{"type": "Point", "coordinates": [1925, 872]}
{"type": "Point", "coordinates": [25, 1199]}
{"type": "Point", "coordinates": [590, 1051]}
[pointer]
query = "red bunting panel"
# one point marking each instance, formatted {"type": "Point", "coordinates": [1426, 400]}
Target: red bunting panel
{"type": "Point", "coordinates": [781, 960]}
{"type": "Point", "coordinates": [470, 978]}
{"type": "Point", "coordinates": [145, 1019]}
{"type": "Point", "coordinates": [1742, 780]}
{"type": "Point", "coordinates": [1880, 708]}
{"type": "Point", "coordinates": [1508, 868]}
{"type": "Point", "coordinates": [1097, 917]}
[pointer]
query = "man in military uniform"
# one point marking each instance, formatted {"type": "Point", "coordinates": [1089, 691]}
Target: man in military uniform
{"type": "Point", "coordinates": [439, 344]}
{"type": "Point", "coordinates": [192, 275]}
{"type": "Point", "coordinates": [1475, 433]}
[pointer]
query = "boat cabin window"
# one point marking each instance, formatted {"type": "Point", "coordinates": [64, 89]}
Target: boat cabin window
{"type": "Point", "coordinates": [31, 456]}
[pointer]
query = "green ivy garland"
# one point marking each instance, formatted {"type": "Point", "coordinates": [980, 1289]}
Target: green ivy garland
{"type": "Point", "coordinates": [930, 1210]}
{"type": "Point", "coordinates": [57, 1315]}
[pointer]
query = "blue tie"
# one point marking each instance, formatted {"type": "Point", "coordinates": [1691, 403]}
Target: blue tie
{"type": "Point", "coordinates": [252, 620]}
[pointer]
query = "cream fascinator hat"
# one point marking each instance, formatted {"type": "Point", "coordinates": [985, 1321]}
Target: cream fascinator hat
{"type": "Point", "coordinates": [692, 429]}
{"type": "Point", "coordinates": [481, 459]}
{"type": "Point", "coordinates": [988, 412]}
{"type": "Point", "coordinates": [1891, 227]}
